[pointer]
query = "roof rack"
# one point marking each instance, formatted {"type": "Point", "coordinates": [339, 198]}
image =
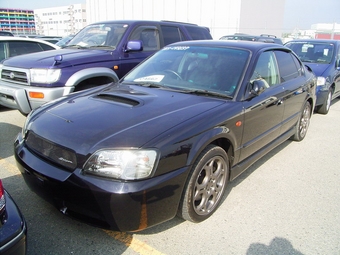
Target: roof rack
{"type": "Point", "coordinates": [179, 22]}
{"type": "Point", "coordinates": [273, 36]}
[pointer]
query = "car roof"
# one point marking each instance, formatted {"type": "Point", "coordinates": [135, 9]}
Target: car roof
{"type": "Point", "coordinates": [247, 37]}
{"type": "Point", "coordinates": [315, 40]}
{"type": "Point", "coordinates": [146, 21]}
{"type": "Point", "coordinates": [25, 39]}
{"type": "Point", "coordinates": [250, 45]}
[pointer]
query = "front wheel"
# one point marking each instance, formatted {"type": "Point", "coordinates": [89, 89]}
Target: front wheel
{"type": "Point", "coordinates": [303, 123]}
{"type": "Point", "coordinates": [206, 185]}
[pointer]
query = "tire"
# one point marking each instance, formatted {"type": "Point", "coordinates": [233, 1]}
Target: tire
{"type": "Point", "coordinates": [206, 185]}
{"type": "Point", "coordinates": [324, 108]}
{"type": "Point", "coordinates": [303, 123]}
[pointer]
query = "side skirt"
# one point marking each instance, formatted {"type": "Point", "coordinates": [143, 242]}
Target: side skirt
{"type": "Point", "coordinates": [238, 169]}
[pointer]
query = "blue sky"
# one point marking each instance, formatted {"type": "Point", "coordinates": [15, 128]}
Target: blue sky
{"type": "Point", "coordinates": [299, 14]}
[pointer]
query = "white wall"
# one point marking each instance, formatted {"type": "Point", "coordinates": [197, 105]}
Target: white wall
{"type": "Point", "coordinates": [221, 16]}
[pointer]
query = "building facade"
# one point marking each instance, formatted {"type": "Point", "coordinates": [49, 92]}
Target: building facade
{"type": "Point", "coordinates": [17, 21]}
{"type": "Point", "coordinates": [60, 21]}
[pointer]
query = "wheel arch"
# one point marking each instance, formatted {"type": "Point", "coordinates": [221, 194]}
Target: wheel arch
{"type": "Point", "coordinates": [94, 75]}
{"type": "Point", "coordinates": [224, 140]}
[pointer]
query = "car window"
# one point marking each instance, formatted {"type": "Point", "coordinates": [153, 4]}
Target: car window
{"type": "Point", "coordinates": [45, 46]}
{"type": "Point", "coordinates": [266, 69]}
{"type": "Point", "coordinates": [287, 66]}
{"type": "Point", "coordinates": [171, 34]}
{"type": "Point", "coordinates": [2, 50]}
{"type": "Point", "coordinates": [18, 48]}
{"type": "Point", "coordinates": [99, 35]}
{"type": "Point", "coordinates": [198, 33]}
{"type": "Point", "coordinates": [149, 37]}
{"type": "Point", "coordinates": [193, 68]}
{"type": "Point", "coordinates": [313, 52]}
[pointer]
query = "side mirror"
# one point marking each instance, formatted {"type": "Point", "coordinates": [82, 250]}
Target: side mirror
{"type": "Point", "coordinates": [258, 86]}
{"type": "Point", "coordinates": [134, 46]}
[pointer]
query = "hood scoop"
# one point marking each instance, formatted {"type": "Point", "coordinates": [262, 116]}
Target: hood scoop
{"type": "Point", "coordinates": [117, 99]}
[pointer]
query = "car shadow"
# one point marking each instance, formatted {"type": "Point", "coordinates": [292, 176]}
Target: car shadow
{"type": "Point", "coordinates": [176, 221]}
{"type": "Point", "coordinates": [277, 246]}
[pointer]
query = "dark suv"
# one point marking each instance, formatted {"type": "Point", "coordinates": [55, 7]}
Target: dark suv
{"type": "Point", "coordinates": [100, 53]}
{"type": "Point", "coordinates": [257, 38]}
{"type": "Point", "coordinates": [323, 57]}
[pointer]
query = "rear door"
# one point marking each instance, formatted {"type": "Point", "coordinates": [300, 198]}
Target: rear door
{"type": "Point", "coordinates": [294, 86]}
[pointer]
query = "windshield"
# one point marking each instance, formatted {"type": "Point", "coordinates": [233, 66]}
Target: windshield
{"type": "Point", "coordinates": [99, 35]}
{"type": "Point", "coordinates": [207, 70]}
{"type": "Point", "coordinates": [313, 52]}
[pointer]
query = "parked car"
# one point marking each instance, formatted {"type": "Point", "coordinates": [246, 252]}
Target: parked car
{"type": "Point", "coordinates": [11, 46]}
{"type": "Point", "coordinates": [168, 137]}
{"type": "Point", "coordinates": [6, 33]}
{"type": "Point", "coordinates": [95, 56]}
{"type": "Point", "coordinates": [323, 56]}
{"type": "Point", "coordinates": [13, 228]}
{"type": "Point", "coordinates": [254, 38]}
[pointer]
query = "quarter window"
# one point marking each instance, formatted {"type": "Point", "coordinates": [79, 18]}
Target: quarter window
{"type": "Point", "coordinates": [171, 34]}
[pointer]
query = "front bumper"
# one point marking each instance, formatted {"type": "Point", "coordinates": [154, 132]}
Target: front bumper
{"type": "Point", "coordinates": [16, 96]}
{"type": "Point", "coordinates": [321, 95]}
{"type": "Point", "coordinates": [117, 205]}
{"type": "Point", "coordinates": [14, 231]}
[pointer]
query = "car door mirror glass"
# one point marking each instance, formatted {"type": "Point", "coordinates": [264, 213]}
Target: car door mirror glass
{"type": "Point", "coordinates": [134, 46]}
{"type": "Point", "coordinates": [258, 86]}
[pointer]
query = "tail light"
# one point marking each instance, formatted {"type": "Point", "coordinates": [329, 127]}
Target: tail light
{"type": "Point", "coordinates": [2, 197]}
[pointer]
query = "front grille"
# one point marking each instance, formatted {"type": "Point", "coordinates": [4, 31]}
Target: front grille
{"type": "Point", "coordinates": [14, 76]}
{"type": "Point", "coordinates": [52, 152]}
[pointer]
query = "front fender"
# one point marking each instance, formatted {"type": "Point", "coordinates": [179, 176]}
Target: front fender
{"type": "Point", "coordinates": [88, 73]}
{"type": "Point", "coordinates": [221, 136]}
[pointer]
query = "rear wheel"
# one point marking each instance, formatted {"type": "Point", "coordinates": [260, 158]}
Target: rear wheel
{"type": "Point", "coordinates": [206, 185]}
{"type": "Point", "coordinates": [324, 108]}
{"type": "Point", "coordinates": [303, 123]}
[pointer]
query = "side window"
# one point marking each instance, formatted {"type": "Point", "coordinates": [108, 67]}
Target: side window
{"type": "Point", "coordinates": [171, 34]}
{"type": "Point", "coordinates": [19, 48]}
{"type": "Point", "coordinates": [287, 66]}
{"type": "Point", "coordinates": [45, 47]}
{"type": "Point", "coordinates": [149, 37]}
{"type": "Point", "coordinates": [266, 69]}
{"type": "Point", "coordinates": [198, 33]}
{"type": "Point", "coordinates": [2, 50]}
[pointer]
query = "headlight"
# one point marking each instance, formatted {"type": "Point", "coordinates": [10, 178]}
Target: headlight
{"type": "Point", "coordinates": [321, 81]}
{"type": "Point", "coordinates": [122, 164]}
{"type": "Point", "coordinates": [46, 76]}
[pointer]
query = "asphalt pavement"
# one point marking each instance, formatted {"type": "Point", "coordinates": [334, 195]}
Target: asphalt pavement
{"type": "Point", "coordinates": [286, 203]}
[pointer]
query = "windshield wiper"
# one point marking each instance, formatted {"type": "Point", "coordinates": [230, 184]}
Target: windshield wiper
{"type": "Point", "coordinates": [102, 46]}
{"type": "Point", "coordinates": [74, 46]}
{"type": "Point", "coordinates": [207, 93]}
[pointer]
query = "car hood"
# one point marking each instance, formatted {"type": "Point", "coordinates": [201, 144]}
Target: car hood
{"type": "Point", "coordinates": [318, 69]}
{"type": "Point", "coordinates": [121, 116]}
{"type": "Point", "coordinates": [70, 57]}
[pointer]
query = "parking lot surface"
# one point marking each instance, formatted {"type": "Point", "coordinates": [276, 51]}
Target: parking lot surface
{"type": "Point", "coordinates": [286, 203]}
